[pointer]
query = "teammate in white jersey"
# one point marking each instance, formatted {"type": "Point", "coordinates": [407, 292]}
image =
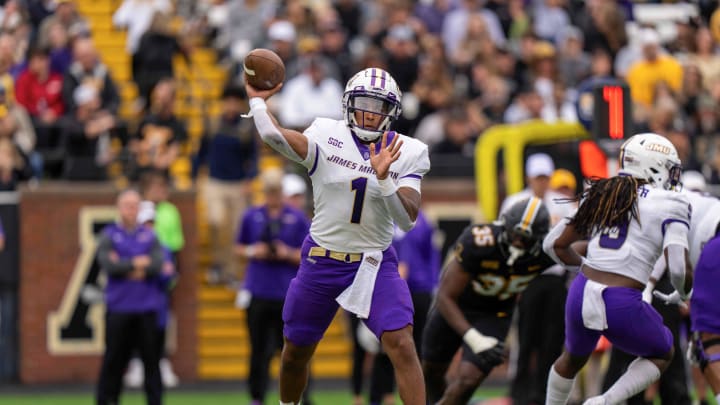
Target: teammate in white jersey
{"type": "Point", "coordinates": [365, 179]}
{"type": "Point", "coordinates": [630, 220]}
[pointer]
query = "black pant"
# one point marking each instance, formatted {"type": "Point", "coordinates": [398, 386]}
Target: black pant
{"type": "Point", "coordinates": [541, 332]}
{"type": "Point", "coordinates": [382, 380]}
{"type": "Point", "coordinates": [124, 333]}
{"type": "Point", "coordinates": [357, 376]}
{"type": "Point", "coordinates": [264, 318]}
{"type": "Point", "coordinates": [673, 383]}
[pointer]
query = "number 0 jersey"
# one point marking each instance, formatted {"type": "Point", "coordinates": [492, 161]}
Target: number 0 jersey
{"type": "Point", "coordinates": [350, 214]}
{"type": "Point", "coordinates": [494, 284]}
{"type": "Point", "coordinates": [633, 249]}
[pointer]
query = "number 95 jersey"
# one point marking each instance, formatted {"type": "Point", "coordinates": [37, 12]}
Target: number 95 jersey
{"type": "Point", "coordinates": [350, 214]}
{"type": "Point", "coordinates": [493, 285]}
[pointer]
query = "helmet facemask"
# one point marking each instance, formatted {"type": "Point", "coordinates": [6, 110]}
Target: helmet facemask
{"type": "Point", "coordinates": [369, 114]}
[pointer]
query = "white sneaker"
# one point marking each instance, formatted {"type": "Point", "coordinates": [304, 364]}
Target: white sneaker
{"type": "Point", "coordinates": [169, 378]}
{"type": "Point", "coordinates": [598, 400]}
{"type": "Point", "coordinates": [135, 374]}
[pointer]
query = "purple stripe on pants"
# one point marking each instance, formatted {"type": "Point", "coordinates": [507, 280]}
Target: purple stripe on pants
{"type": "Point", "coordinates": [310, 304]}
{"type": "Point", "coordinates": [634, 326]}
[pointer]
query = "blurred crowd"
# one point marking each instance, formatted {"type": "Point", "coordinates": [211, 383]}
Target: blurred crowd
{"type": "Point", "coordinates": [463, 66]}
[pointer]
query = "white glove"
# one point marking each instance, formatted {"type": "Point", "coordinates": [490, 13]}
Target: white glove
{"type": "Point", "coordinates": [647, 293]}
{"type": "Point", "coordinates": [673, 298]}
{"type": "Point", "coordinates": [478, 342]}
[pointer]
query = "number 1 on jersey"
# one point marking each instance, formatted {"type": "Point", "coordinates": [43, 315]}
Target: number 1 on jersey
{"type": "Point", "coordinates": [358, 186]}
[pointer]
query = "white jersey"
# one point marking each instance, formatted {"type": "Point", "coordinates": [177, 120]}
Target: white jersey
{"type": "Point", "coordinates": [350, 215]}
{"type": "Point", "coordinates": [632, 250]}
{"type": "Point", "coordinates": [704, 222]}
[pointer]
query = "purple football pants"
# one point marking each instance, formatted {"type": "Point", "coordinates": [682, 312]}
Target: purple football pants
{"type": "Point", "coordinates": [634, 326]}
{"type": "Point", "coordinates": [310, 304]}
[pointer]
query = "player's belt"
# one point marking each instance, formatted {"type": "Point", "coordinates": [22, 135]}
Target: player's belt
{"type": "Point", "coordinates": [317, 251]}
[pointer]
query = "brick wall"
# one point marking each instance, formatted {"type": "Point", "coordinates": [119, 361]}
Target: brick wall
{"type": "Point", "coordinates": [50, 248]}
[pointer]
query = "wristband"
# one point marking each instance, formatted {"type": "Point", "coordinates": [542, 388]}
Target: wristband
{"type": "Point", "coordinates": [387, 186]}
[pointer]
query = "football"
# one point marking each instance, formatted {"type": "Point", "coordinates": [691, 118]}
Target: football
{"type": "Point", "coordinates": [263, 69]}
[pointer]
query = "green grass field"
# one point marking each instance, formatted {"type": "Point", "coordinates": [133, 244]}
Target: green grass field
{"type": "Point", "coordinates": [326, 397]}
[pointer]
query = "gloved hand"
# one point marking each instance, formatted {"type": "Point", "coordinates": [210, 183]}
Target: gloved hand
{"type": "Point", "coordinates": [494, 355]}
{"type": "Point", "coordinates": [478, 342]}
{"type": "Point", "coordinates": [673, 298]}
{"type": "Point", "coordinates": [647, 293]}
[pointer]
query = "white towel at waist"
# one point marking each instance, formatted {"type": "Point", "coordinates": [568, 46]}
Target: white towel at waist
{"type": "Point", "coordinates": [358, 296]}
{"type": "Point", "coordinates": [593, 306]}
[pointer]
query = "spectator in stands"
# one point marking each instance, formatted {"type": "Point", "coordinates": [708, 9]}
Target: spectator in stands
{"type": "Point", "coordinates": [230, 149]}
{"type": "Point", "coordinates": [282, 38]}
{"type": "Point", "coordinates": [456, 23]}
{"type": "Point", "coordinates": [153, 59]}
{"type": "Point", "coordinates": [460, 136]}
{"type": "Point", "coordinates": [88, 69]}
{"type": "Point", "coordinates": [160, 134]}
{"type": "Point", "coordinates": [246, 21]}
{"type": "Point", "coordinates": [67, 15]}
{"type": "Point", "coordinates": [705, 57]}
{"type": "Point", "coordinates": [401, 50]}
{"type": "Point", "coordinates": [573, 63]}
{"type": "Point", "coordinates": [132, 258]}
{"type": "Point", "coordinates": [312, 84]}
{"type": "Point", "coordinates": [8, 64]}
{"type": "Point", "coordinates": [432, 14]}
{"type": "Point", "coordinates": [61, 55]}
{"type": "Point", "coordinates": [2, 237]}
{"type": "Point", "coordinates": [270, 238]}
{"type": "Point", "coordinates": [86, 136]}
{"type": "Point", "coordinates": [550, 19]}
{"type": "Point", "coordinates": [527, 106]}
{"type": "Point", "coordinates": [137, 17]}
{"type": "Point", "coordinates": [39, 91]}
{"type": "Point", "coordinates": [334, 45]}
{"type": "Point", "coordinates": [654, 67]}
{"type": "Point", "coordinates": [14, 166]}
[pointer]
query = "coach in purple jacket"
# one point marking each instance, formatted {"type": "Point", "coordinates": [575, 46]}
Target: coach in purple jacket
{"type": "Point", "coordinates": [270, 238]}
{"type": "Point", "coordinates": [131, 256]}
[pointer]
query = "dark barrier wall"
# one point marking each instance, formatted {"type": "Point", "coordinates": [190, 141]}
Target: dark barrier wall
{"type": "Point", "coordinates": [61, 326]}
{"type": "Point", "coordinates": [9, 272]}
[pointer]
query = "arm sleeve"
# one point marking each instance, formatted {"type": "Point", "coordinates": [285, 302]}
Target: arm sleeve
{"type": "Point", "coordinates": [420, 166]}
{"type": "Point", "coordinates": [550, 239]}
{"type": "Point", "coordinates": [119, 268]}
{"type": "Point", "coordinates": [270, 133]}
{"type": "Point", "coordinates": [121, 17]}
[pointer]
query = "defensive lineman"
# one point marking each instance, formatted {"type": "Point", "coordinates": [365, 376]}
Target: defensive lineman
{"type": "Point", "coordinates": [365, 178]}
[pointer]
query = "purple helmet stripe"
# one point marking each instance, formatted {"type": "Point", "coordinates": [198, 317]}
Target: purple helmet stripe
{"type": "Point", "coordinates": [382, 79]}
{"type": "Point", "coordinates": [372, 77]}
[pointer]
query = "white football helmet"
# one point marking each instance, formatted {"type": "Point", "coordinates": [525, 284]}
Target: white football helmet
{"type": "Point", "coordinates": [372, 90]}
{"type": "Point", "coordinates": [651, 157]}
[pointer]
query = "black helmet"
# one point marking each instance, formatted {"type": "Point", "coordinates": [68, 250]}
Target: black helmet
{"type": "Point", "coordinates": [528, 219]}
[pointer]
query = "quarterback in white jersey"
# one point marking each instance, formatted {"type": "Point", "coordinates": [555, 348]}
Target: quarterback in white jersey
{"type": "Point", "coordinates": [365, 180]}
{"type": "Point", "coordinates": [631, 219]}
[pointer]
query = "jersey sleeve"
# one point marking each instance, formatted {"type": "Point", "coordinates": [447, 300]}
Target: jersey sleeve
{"type": "Point", "coordinates": [679, 212]}
{"type": "Point", "coordinates": [419, 166]}
{"type": "Point", "coordinates": [313, 152]}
